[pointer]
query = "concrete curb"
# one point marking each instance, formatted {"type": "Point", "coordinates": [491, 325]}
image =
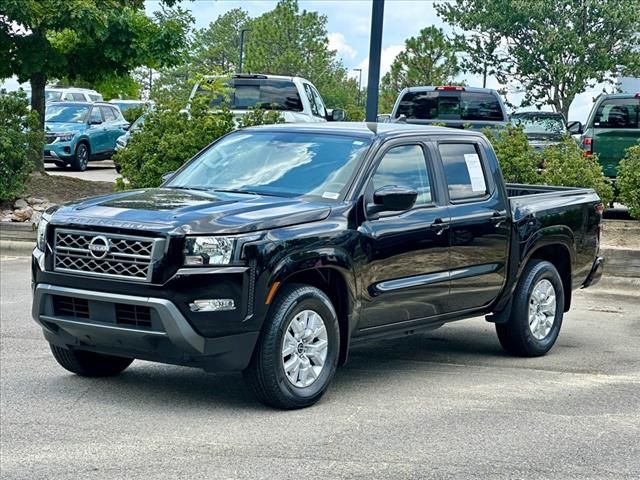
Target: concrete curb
{"type": "Point", "coordinates": [16, 247]}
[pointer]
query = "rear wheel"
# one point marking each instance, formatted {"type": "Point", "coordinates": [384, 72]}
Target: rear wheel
{"type": "Point", "coordinates": [537, 311]}
{"type": "Point", "coordinates": [89, 364]}
{"type": "Point", "coordinates": [297, 354]}
{"type": "Point", "coordinates": [81, 158]}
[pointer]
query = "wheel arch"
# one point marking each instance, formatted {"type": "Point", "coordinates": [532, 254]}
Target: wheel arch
{"type": "Point", "coordinates": [560, 255]}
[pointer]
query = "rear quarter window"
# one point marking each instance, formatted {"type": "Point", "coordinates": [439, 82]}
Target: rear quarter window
{"type": "Point", "coordinates": [464, 172]}
{"type": "Point", "coordinates": [617, 113]}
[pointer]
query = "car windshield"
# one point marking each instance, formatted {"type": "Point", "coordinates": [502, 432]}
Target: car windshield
{"type": "Point", "coordinates": [52, 95]}
{"type": "Point", "coordinates": [286, 164]}
{"type": "Point", "coordinates": [66, 113]}
{"type": "Point", "coordinates": [450, 105]}
{"type": "Point", "coordinates": [540, 124]}
{"type": "Point", "coordinates": [245, 94]}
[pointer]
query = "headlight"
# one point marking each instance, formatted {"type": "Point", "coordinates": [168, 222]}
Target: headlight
{"type": "Point", "coordinates": [65, 137]}
{"type": "Point", "coordinates": [41, 238]}
{"type": "Point", "coordinates": [209, 250]}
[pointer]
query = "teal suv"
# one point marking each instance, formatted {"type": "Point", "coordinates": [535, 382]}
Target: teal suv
{"type": "Point", "coordinates": [76, 132]}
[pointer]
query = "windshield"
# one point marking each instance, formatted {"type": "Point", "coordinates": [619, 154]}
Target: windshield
{"type": "Point", "coordinates": [66, 113]}
{"type": "Point", "coordinates": [276, 163]}
{"type": "Point", "coordinates": [52, 95]}
{"type": "Point", "coordinates": [245, 94]}
{"type": "Point", "coordinates": [450, 105]}
{"type": "Point", "coordinates": [540, 124]}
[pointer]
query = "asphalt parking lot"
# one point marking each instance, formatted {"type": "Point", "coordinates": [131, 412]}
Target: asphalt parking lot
{"type": "Point", "coordinates": [448, 404]}
{"type": "Point", "coordinates": [103, 171]}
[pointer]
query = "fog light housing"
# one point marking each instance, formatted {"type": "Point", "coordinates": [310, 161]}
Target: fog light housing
{"type": "Point", "coordinates": [213, 305]}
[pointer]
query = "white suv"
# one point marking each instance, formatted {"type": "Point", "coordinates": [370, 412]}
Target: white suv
{"type": "Point", "coordinates": [72, 94]}
{"type": "Point", "coordinates": [296, 98]}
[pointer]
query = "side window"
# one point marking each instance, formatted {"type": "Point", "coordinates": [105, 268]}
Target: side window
{"type": "Point", "coordinates": [117, 114]}
{"type": "Point", "coordinates": [404, 166]}
{"type": "Point", "coordinates": [312, 101]}
{"type": "Point", "coordinates": [108, 114]}
{"type": "Point", "coordinates": [617, 113]}
{"type": "Point", "coordinates": [319, 103]}
{"type": "Point", "coordinates": [95, 115]}
{"type": "Point", "coordinates": [463, 170]}
{"type": "Point", "coordinates": [77, 96]}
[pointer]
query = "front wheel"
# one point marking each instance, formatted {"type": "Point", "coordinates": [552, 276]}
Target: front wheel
{"type": "Point", "coordinates": [536, 313]}
{"type": "Point", "coordinates": [89, 364]}
{"type": "Point", "coordinates": [81, 158]}
{"type": "Point", "coordinates": [297, 354]}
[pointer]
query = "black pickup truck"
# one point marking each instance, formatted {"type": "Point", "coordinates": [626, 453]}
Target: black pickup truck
{"type": "Point", "coordinates": [276, 249]}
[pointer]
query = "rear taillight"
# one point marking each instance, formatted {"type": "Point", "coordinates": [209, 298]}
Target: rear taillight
{"type": "Point", "coordinates": [587, 146]}
{"type": "Point", "coordinates": [600, 208]}
{"type": "Point", "coordinates": [453, 88]}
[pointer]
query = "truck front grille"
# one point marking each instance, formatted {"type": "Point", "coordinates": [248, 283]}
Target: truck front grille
{"type": "Point", "coordinates": [70, 307]}
{"type": "Point", "coordinates": [105, 254]}
{"type": "Point", "coordinates": [133, 315]}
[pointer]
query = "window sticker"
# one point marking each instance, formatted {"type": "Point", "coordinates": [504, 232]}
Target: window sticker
{"type": "Point", "coordinates": [331, 195]}
{"type": "Point", "coordinates": [475, 172]}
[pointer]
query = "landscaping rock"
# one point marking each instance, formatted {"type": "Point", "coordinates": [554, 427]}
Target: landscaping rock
{"type": "Point", "coordinates": [20, 203]}
{"type": "Point", "coordinates": [35, 218]}
{"type": "Point", "coordinates": [22, 214]}
{"type": "Point", "coordinates": [36, 200]}
{"type": "Point", "coordinates": [41, 207]}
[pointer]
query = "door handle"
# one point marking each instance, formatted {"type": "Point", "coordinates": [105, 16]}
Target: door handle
{"type": "Point", "coordinates": [497, 218]}
{"type": "Point", "coordinates": [439, 226]}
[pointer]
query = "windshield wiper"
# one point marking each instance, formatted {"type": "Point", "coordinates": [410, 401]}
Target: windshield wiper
{"type": "Point", "coordinates": [184, 187]}
{"type": "Point", "coordinates": [231, 190]}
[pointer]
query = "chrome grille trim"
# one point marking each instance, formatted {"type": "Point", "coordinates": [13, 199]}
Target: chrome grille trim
{"type": "Point", "coordinates": [130, 257]}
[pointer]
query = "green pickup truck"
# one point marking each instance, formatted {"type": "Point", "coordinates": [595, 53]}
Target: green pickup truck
{"type": "Point", "coordinates": [612, 126]}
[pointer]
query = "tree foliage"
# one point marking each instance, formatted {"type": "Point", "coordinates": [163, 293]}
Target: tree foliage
{"type": "Point", "coordinates": [628, 180]}
{"type": "Point", "coordinates": [552, 50]}
{"type": "Point", "coordinates": [88, 40]}
{"type": "Point", "coordinates": [20, 141]}
{"type": "Point", "coordinates": [428, 59]}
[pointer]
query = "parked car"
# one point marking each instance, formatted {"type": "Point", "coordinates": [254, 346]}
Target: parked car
{"type": "Point", "coordinates": [612, 126]}
{"type": "Point", "coordinates": [297, 99]}
{"type": "Point", "coordinates": [543, 129]}
{"type": "Point", "coordinates": [77, 132]}
{"type": "Point", "coordinates": [451, 106]}
{"type": "Point", "coordinates": [277, 248]}
{"type": "Point", "coordinates": [125, 105]}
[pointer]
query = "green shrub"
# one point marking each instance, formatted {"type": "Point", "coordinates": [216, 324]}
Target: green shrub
{"type": "Point", "coordinates": [20, 143]}
{"type": "Point", "coordinates": [518, 160]}
{"type": "Point", "coordinates": [132, 114]}
{"type": "Point", "coordinates": [629, 180]}
{"type": "Point", "coordinates": [169, 138]}
{"type": "Point", "coordinates": [566, 165]}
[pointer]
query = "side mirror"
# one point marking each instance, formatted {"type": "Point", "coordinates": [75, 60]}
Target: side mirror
{"type": "Point", "coordinates": [126, 126]}
{"type": "Point", "coordinates": [392, 199]}
{"type": "Point", "coordinates": [166, 176]}
{"type": "Point", "coordinates": [95, 122]}
{"type": "Point", "coordinates": [337, 115]}
{"type": "Point", "coordinates": [575, 127]}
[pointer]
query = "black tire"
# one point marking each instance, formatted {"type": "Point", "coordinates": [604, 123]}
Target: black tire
{"type": "Point", "coordinates": [117, 167]}
{"type": "Point", "coordinates": [516, 335]}
{"type": "Point", "coordinates": [89, 364]}
{"type": "Point", "coordinates": [81, 157]}
{"type": "Point", "coordinates": [60, 164]}
{"type": "Point", "coordinates": [266, 374]}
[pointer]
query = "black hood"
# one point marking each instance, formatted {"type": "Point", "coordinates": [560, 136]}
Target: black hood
{"type": "Point", "coordinates": [190, 211]}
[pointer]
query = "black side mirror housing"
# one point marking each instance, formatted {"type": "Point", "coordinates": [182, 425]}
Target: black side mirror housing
{"type": "Point", "coordinates": [167, 176]}
{"type": "Point", "coordinates": [575, 127]}
{"type": "Point", "coordinates": [95, 122]}
{"type": "Point", "coordinates": [392, 199]}
{"type": "Point", "coordinates": [337, 115]}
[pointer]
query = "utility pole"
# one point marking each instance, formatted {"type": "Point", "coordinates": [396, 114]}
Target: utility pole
{"type": "Point", "coordinates": [242, 32]}
{"type": "Point", "coordinates": [359, 83]}
{"type": "Point", "coordinates": [375, 50]}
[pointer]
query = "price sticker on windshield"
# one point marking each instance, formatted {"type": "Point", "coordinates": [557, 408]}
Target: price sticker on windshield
{"type": "Point", "coordinates": [475, 172]}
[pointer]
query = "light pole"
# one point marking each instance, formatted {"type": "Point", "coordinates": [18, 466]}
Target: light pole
{"type": "Point", "coordinates": [242, 32]}
{"type": "Point", "coordinates": [359, 83]}
{"type": "Point", "coordinates": [375, 49]}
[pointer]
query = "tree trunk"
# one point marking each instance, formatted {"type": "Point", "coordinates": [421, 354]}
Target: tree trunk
{"type": "Point", "coordinates": [38, 82]}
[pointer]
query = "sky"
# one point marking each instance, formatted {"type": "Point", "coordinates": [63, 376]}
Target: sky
{"type": "Point", "coordinates": [348, 25]}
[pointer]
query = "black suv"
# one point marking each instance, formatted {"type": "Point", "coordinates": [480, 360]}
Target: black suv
{"type": "Point", "coordinates": [277, 248]}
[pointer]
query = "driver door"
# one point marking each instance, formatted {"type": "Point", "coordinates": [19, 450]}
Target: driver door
{"type": "Point", "coordinates": [406, 271]}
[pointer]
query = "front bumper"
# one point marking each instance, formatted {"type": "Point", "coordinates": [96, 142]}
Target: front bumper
{"type": "Point", "coordinates": [595, 274]}
{"type": "Point", "coordinates": [168, 337]}
{"type": "Point", "coordinates": [58, 152]}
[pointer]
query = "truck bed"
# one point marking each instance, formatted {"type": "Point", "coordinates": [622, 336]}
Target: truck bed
{"type": "Point", "coordinates": [528, 199]}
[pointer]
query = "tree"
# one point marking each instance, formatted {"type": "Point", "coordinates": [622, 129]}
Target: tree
{"type": "Point", "coordinates": [84, 39]}
{"type": "Point", "coordinates": [216, 49]}
{"type": "Point", "coordinates": [553, 49]}
{"type": "Point", "coordinates": [428, 59]}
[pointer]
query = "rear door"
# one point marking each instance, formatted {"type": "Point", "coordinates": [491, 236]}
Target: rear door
{"type": "Point", "coordinates": [405, 254]}
{"type": "Point", "coordinates": [480, 229]}
{"type": "Point", "coordinates": [616, 127]}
